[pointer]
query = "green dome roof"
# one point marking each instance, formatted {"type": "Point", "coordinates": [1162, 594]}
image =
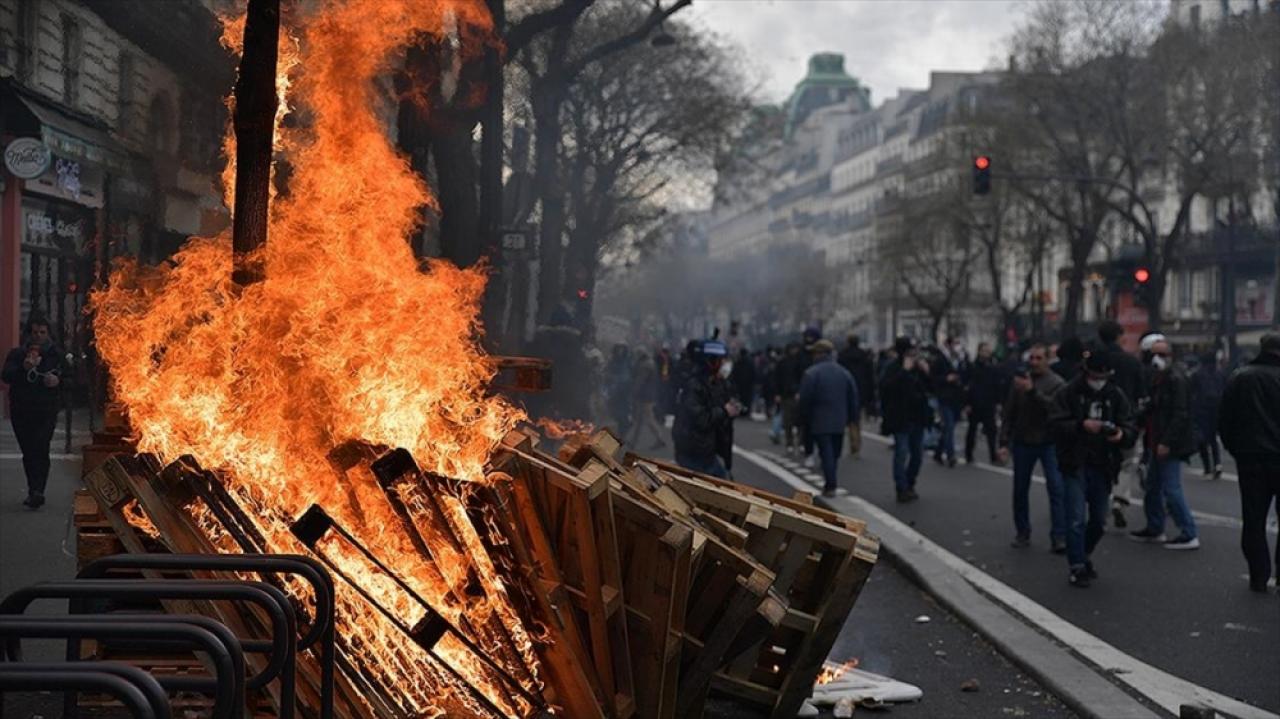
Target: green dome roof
{"type": "Point", "coordinates": [825, 84]}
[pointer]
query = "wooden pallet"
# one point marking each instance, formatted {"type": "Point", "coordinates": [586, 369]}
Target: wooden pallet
{"type": "Point", "coordinates": [575, 509]}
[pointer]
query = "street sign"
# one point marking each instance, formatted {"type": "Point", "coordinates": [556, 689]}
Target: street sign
{"type": "Point", "coordinates": [27, 158]}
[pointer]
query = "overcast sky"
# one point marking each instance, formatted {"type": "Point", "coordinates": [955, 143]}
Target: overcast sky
{"type": "Point", "coordinates": [887, 44]}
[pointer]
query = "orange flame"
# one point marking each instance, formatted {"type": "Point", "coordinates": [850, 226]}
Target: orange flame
{"type": "Point", "coordinates": [832, 671]}
{"type": "Point", "coordinates": [345, 339]}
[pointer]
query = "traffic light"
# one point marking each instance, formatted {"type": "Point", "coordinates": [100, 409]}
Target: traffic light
{"type": "Point", "coordinates": [1141, 276]}
{"type": "Point", "coordinates": [981, 175]}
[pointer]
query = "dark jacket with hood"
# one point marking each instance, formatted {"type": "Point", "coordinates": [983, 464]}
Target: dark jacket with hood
{"type": "Point", "coordinates": [702, 428]}
{"type": "Point", "coordinates": [904, 399]}
{"type": "Point", "coordinates": [27, 393]}
{"type": "Point", "coordinates": [861, 365]}
{"type": "Point", "coordinates": [1249, 422]}
{"type": "Point", "coordinates": [1078, 449]}
{"type": "Point", "coordinates": [1167, 418]}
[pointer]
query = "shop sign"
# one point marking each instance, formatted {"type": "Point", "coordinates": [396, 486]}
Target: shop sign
{"type": "Point", "coordinates": [70, 179]}
{"type": "Point", "coordinates": [27, 157]}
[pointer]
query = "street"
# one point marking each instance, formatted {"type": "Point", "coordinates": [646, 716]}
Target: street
{"type": "Point", "coordinates": [1187, 613]}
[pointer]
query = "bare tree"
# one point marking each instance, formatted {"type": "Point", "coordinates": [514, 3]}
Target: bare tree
{"type": "Point", "coordinates": [933, 256]}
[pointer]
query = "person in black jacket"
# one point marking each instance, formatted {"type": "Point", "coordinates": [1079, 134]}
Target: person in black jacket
{"type": "Point", "coordinates": [705, 408]}
{"type": "Point", "coordinates": [743, 378]}
{"type": "Point", "coordinates": [1249, 423]}
{"type": "Point", "coordinates": [33, 372]}
{"type": "Point", "coordinates": [1207, 385]}
{"type": "Point", "coordinates": [1130, 378]}
{"type": "Point", "coordinates": [786, 383]}
{"type": "Point", "coordinates": [949, 370]}
{"type": "Point", "coordinates": [1092, 423]}
{"type": "Point", "coordinates": [905, 412]}
{"type": "Point", "coordinates": [983, 396]}
{"type": "Point", "coordinates": [1167, 441]}
{"type": "Point", "coordinates": [861, 366]}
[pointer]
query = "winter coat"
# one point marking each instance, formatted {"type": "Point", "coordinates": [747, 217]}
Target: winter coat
{"type": "Point", "coordinates": [861, 365]}
{"type": "Point", "coordinates": [1128, 374]}
{"type": "Point", "coordinates": [1077, 449]}
{"type": "Point", "coordinates": [743, 377]}
{"type": "Point", "coordinates": [1167, 418]}
{"type": "Point", "coordinates": [1207, 385]}
{"type": "Point", "coordinates": [904, 399]}
{"type": "Point", "coordinates": [27, 393]}
{"type": "Point", "coordinates": [986, 383]}
{"type": "Point", "coordinates": [828, 398]}
{"type": "Point", "coordinates": [1249, 422]}
{"type": "Point", "coordinates": [949, 392]}
{"type": "Point", "coordinates": [788, 373]}
{"type": "Point", "coordinates": [701, 423]}
{"type": "Point", "coordinates": [1026, 414]}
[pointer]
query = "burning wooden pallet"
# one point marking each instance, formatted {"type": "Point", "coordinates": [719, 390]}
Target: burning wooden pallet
{"type": "Point", "coordinates": [589, 583]}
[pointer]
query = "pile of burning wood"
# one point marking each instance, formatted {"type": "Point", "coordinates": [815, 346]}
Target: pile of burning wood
{"type": "Point", "coordinates": [589, 583]}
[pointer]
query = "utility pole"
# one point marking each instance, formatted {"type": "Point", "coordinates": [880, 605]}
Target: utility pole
{"type": "Point", "coordinates": [254, 123]}
{"type": "Point", "coordinates": [1228, 288]}
{"type": "Point", "coordinates": [491, 180]}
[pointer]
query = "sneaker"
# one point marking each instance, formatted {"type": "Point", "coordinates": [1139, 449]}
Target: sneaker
{"type": "Point", "coordinates": [1058, 546]}
{"type": "Point", "coordinates": [1147, 536]}
{"type": "Point", "coordinates": [1217, 472]}
{"type": "Point", "coordinates": [903, 496]}
{"type": "Point", "coordinates": [829, 492]}
{"type": "Point", "coordinates": [911, 495]}
{"type": "Point", "coordinates": [1079, 577]}
{"type": "Point", "coordinates": [1117, 518]}
{"type": "Point", "coordinates": [1020, 542]}
{"type": "Point", "coordinates": [1182, 541]}
{"type": "Point", "coordinates": [34, 500]}
{"type": "Point", "coordinates": [1256, 586]}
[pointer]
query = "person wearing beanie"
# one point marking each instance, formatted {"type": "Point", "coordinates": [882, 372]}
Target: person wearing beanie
{"type": "Point", "coordinates": [1092, 423]}
{"type": "Point", "coordinates": [905, 412]}
{"type": "Point", "coordinates": [828, 405]}
{"type": "Point", "coordinates": [1167, 441]}
{"type": "Point", "coordinates": [1249, 424]}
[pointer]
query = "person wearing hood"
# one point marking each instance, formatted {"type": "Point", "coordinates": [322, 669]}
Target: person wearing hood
{"type": "Point", "coordinates": [1207, 385]}
{"type": "Point", "coordinates": [1249, 423]}
{"type": "Point", "coordinates": [34, 372]}
{"type": "Point", "coordinates": [1128, 376]}
{"type": "Point", "coordinates": [1092, 424]}
{"type": "Point", "coordinates": [905, 412]}
{"type": "Point", "coordinates": [705, 408]}
{"type": "Point", "coordinates": [1167, 441]}
{"type": "Point", "coordinates": [828, 405]}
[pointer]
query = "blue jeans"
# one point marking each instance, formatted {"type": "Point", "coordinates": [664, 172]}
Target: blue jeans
{"type": "Point", "coordinates": [1164, 486]}
{"type": "Point", "coordinates": [1025, 457]}
{"type": "Point", "coordinates": [829, 446]}
{"type": "Point", "coordinates": [1088, 493]}
{"type": "Point", "coordinates": [947, 443]}
{"type": "Point", "coordinates": [908, 451]}
{"type": "Point", "coordinates": [707, 465]}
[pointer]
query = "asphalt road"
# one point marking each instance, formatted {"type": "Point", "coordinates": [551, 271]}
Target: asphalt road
{"type": "Point", "coordinates": [1187, 613]}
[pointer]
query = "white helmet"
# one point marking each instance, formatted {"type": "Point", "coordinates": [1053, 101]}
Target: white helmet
{"type": "Point", "coordinates": [1150, 341]}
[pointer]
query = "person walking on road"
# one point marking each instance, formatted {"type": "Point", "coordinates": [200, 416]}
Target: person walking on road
{"type": "Point", "coordinates": [1249, 423]}
{"type": "Point", "coordinates": [644, 390]}
{"type": "Point", "coordinates": [1024, 431]}
{"type": "Point", "coordinates": [786, 383]}
{"type": "Point", "coordinates": [948, 382]}
{"type": "Point", "coordinates": [33, 372]}
{"type": "Point", "coordinates": [743, 378]}
{"type": "Point", "coordinates": [1092, 423]}
{"type": "Point", "coordinates": [905, 412]}
{"type": "Point", "coordinates": [1167, 441]}
{"type": "Point", "coordinates": [981, 400]}
{"type": "Point", "coordinates": [1207, 385]}
{"type": "Point", "coordinates": [861, 366]}
{"type": "Point", "coordinates": [828, 405]}
{"type": "Point", "coordinates": [705, 409]}
{"type": "Point", "coordinates": [1127, 375]}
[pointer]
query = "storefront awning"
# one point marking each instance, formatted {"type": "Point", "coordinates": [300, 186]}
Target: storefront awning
{"type": "Point", "coordinates": [68, 136]}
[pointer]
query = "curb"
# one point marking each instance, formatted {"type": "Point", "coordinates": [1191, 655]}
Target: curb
{"type": "Point", "coordinates": [1076, 683]}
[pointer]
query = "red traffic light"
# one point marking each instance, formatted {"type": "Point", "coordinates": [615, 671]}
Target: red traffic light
{"type": "Point", "coordinates": [583, 294]}
{"type": "Point", "coordinates": [982, 162]}
{"type": "Point", "coordinates": [1142, 274]}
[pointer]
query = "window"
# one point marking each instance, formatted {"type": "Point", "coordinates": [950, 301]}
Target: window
{"type": "Point", "coordinates": [71, 49]}
{"type": "Point", "coordinates": [26, 39]}
{"type": "Point", "coordinates": [124, 92]}
{"type": "Point", "coordinates": [160, 124]}
{"type": "Point", "coordinates": [1194, 13]}
{"type": "Point", "coordinates": [1185, 298]}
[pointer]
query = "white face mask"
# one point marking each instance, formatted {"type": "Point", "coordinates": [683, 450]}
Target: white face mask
{"type": "Point", "coordinates": [1159, 362]}
{"type": "Point", "coordinates": [1096, 384]}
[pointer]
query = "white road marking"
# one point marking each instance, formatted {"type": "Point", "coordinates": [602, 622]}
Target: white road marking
{"type": "Point", "coordinates": [1164, 689]}
{"type": "Point", "coordinates": [54, 457]}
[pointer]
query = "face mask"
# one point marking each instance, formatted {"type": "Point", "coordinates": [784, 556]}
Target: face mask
{"type": "Point", "coordinates": [1096, 384]}
{"type": "Point", "coordinates": [1159, 362]}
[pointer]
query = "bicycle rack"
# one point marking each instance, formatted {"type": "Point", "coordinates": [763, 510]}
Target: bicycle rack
{"type": "Point", "coordinates": [194, 633]}
{"type": "Point", "coordinates": [282, 659]}
{"type": "Point", "coordinates": [322, 629]}
{"type": "Point", "coordinates": [140, 693]}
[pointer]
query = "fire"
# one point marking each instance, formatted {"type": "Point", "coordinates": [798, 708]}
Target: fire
{"type": "Point", "coordinates": [346, 339]}
{"type": "Point", "coordinates": [832, 671]}
{"type": "Point", "coordinates": [559, 429]}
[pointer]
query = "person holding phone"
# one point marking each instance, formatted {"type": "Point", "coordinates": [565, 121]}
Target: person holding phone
{"type": "Point", "coordinates": [33, 372]}
{"type": "Point", "coordinates": [1024, 429]}
{"type": "Point", "coordinates": [1092, 421]}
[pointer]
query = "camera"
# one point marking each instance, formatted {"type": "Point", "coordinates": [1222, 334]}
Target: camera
{"type": "Point", "coordinates": [1109, 427]}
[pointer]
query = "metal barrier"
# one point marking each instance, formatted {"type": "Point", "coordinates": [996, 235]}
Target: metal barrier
{"type": "Point", "coordinates": [140, 693]}
{"type": "Point", "coordinates": [191, 633]}
{"type": "Point", "coordinates": [311, 570]}
{"type": "Point", "coordinates": [282, 659]}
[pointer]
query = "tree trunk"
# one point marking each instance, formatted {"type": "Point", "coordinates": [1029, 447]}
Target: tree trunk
{"type": "Point", "coordinates": [254, 120]}
{"type": "Point", "coordinates": [546, 101]}
{"type": "Point", "coordinates": [457, 177]}
{"type": "Point", "coordinates": [413, 135]}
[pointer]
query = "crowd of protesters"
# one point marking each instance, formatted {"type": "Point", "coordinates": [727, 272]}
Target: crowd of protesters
{"type": "Point", "coordinates": [1101, 424]}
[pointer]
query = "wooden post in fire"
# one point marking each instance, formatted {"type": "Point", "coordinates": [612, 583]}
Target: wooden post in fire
{"type": "Point", "coordinates": [254, 122]}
